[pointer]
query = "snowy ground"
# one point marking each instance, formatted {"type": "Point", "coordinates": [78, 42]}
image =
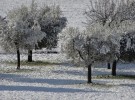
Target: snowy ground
{"type": "Point", "coordinates": [61, 81]}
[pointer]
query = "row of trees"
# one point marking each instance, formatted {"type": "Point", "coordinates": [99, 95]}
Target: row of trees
{"type": "Point", "coordinates": [108, 22]}
{"type": "Point", "coordinates": [28, 28]}
{"type": "Point", "coordinates": [109, 31]}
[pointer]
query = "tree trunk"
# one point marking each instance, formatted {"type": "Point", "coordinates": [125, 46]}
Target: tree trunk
{"type": "Point", "coordinates": [18, 59]}
{"type": "Point", "coordinates": [108, 65]}
{"type": "Point", "coordinates": [114, 68]}
{"type": "Point", "coordinates": [29, 55]}
{"type": "Point", "coordinates": [89, 74]}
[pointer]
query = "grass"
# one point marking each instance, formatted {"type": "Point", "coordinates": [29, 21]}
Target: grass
{"type": "Point", "coordinates": [16, 71]}
{"type": "Point", "coordinates": [33, 63]}
{"type": "Point", "coordinates": [25, 63]}
{"type": "Point", "coordinates": [101, 85]}
{"type": "Point", "coordinates": [95, 84]}
{"type": "Point", "coordinates": [21, 70]}
{"type": "Point", "coordinates": [116, 77]}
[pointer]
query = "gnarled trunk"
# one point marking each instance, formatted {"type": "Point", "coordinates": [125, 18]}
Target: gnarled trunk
{"type": "Point", "coordinates": [29, 55]}
{"type": "Point", "coordinates": [18, 59]}
{"type": "Point", "coordinates": [114, 68]}
{"type": "Point", "coordinates": [89, 74]}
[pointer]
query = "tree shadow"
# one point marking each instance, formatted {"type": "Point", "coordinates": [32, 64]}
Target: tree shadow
{"type": "Point", "coordinates": [23, 79]}
{"type": "Point", "coordinates": [129, 66]}
{"type": "Point", "coordinates": [100, 72]}
{"type": "Point", "coordinates": [73, 72]}
{"type": "Point", "coordinates": [55, 82]}
{"type": "Point", "coordinates": [129, 85]}
{"type": "Point", "coordinates": [40, 89]}
{"type": "Point", "coordinates": [50, 81]}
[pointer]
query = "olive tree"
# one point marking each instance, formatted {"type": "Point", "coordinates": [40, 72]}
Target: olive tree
{"type": "Point", "coordinates": [18, 34]}
{"type": "Point", "coordinates": [68, 44]}
{"type": "Point", "coordinates": [52, 22]}
{"type": "Point", "coordinates": [127, 46]}
{"type": "Point", "coordinates": [117, 15]}
{"type": "Point", "coordinates": [90, 45]}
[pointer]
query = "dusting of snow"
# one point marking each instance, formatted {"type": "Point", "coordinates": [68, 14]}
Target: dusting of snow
{"type": "Point", "coordinates": [61, 81]}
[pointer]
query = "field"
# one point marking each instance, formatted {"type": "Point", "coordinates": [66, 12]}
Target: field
{"type": "Point", "coordinates": [53, 77]}
{"type": "Point", "coordinates": [56, 79]}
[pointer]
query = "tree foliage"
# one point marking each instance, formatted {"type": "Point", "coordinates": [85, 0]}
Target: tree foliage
{"type": "Point", "coordinates": [23, 29]}
{"type": "Point", "coordinates": [52, 22]}
{"type": "Point", "coordinates": [107, 21]}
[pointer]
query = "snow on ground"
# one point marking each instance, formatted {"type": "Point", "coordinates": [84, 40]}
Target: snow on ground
{"type": "Point", "coordinates": [61, 81]}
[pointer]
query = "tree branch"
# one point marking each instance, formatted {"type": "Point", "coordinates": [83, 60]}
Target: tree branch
{"type": "Point", "coordinates": [80, 54]}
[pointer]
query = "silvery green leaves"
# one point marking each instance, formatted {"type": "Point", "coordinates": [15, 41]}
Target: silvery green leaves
{"type": "Point", "coordinates": [23, 28]}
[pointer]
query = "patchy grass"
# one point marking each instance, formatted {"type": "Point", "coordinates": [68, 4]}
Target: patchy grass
{"type": "Point", "coordinates": [101, 85]}
{"type": "Point", "coordinates": [116, 77]}
{"type": "Point", "coordinates": [33, 63]}
{"type": "Point", "coordinates": [16, 71]}
{"type": "Point", "coordinates": [96, 84]}
{"type": "Point", "coordinates": [21, 70]}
